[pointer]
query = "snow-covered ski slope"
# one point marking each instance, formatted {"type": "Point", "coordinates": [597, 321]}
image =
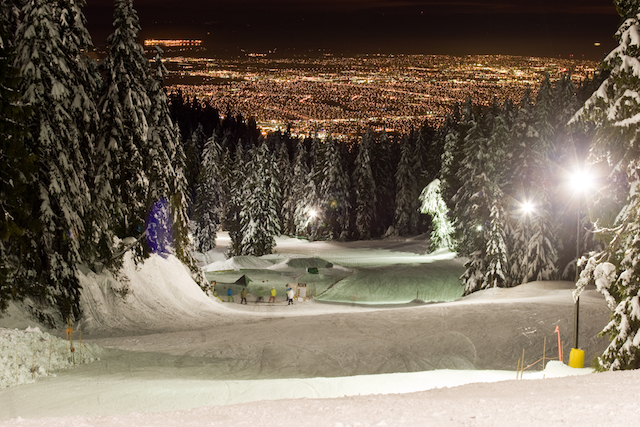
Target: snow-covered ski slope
{"type": "Point", "coordinates": [171, 355]}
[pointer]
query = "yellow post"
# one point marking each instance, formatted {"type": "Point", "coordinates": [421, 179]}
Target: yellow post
{"type": "Point", "coordinates": [576, 358]}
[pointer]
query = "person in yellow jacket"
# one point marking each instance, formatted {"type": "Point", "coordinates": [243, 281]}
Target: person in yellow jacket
{"type": "Point", "coordinates": [272, 298]}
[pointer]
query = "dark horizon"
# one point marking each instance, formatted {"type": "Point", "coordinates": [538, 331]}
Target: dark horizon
{"type": "Point", "coordinates": [546, 29]}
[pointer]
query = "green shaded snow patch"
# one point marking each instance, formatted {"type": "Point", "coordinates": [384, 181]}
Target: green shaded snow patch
{"type": "Point", "coordinates": [400, 284]}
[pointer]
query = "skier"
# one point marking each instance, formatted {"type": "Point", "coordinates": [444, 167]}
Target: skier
{"type": "Point", "coordinates": [290, 296]}
{"type": "Point", "coordinates": [243, 296]}
{"type": "Point", "coordinates": [229, 295]}
{"type": "Point", "coordinates": [272, 298]}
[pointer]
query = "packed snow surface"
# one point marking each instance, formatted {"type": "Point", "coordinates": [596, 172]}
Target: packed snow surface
{"type": "Point", "coordinates": [165, 353]}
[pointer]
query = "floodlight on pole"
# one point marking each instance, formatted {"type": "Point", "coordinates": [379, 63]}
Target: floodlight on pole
{"type": "Point", "coordinates": [527, 207]}
{"type": "Point", "coordinates": [581, 181]}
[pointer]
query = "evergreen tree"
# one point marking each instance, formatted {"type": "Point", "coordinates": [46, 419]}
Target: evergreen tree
{"type": "Point", "coordinates": [302, 197]}
{"type": "Point", "coordinates": [614, 108]}
{"type": "Point", "coordinates": [471, 210]}
{"type": "Point", "coordinates": [161, 139]}
{"type": "Point", "coordinates": [235, 198]}
{"type": "Point", "coordinates": [17, 175]}
{"type": "Point", "coordinates": [121, 181]}
{"type": "Point", "coordinates": [83, 111]}
{"type": "Point", "coordinates": [542, 255]}
{"type": "Point", "coordinates": [434, 205]}
{"type": "Point", "coordinates": [365, 189]}
{"type": "Point", "coordinates": [180, 215]}
{"type": "Point", "coordinates": [259, 215]}
{"type": "Point", "coordinates": [496, 275]}
{"type": "Point", "coordinates": [286, 187]}
{"type": "Point", "coordinates": [544, 118]}
{"type": "Point", "coordinates": [334, 191]}
{"type": "Point", "coordinates": [208, 205]}
{"type": "Point", "coordinates": [47, 86]}
{"type": "Point", "coordinates": [406, 196]}
{"type": "Point", "coordinates": [193, 150]}
{"type": "Point", "coordinates": [382, 170]}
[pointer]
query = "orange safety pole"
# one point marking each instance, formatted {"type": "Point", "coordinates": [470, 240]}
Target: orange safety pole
{"type": "Point", "coordinates": [559, 344]}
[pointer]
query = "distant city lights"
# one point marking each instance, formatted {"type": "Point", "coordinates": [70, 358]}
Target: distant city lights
{"type": "Point", "coordinates": [173, 43]}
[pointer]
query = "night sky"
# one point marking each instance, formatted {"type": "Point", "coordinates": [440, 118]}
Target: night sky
{"type": "Point", "coordinates": [549, 28]}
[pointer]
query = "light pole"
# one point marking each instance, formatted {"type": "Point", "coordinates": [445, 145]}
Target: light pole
{"type": "Point", "coordinates": [581, 182]}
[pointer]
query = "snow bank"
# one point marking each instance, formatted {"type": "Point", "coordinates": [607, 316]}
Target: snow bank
{"type": "Point", "coordinates": [158, 294]}
{"type": "Point", "coordinates": [240, 263]}
{"type": "Point", "coordinates": [30, 354]}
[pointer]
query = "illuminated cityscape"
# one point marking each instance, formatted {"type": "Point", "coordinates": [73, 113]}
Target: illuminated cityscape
{"type": "Point", "coordinates": [344, 95]}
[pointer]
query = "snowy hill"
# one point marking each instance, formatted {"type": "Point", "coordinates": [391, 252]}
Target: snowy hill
{"type": "Point", "coordinates": [170, 354]}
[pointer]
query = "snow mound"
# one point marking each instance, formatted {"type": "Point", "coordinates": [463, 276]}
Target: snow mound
{"type": "Point", "coordinates": [525, 290]}
{"type": "Point", "coordinates": [308, 263]}
{"type": "Point", "coordinates": [30, 354]}
{"type": "Point", "coordinates": [158, 294]}
{"type": "Point", "coordinates": [399, 284]}
{"type": "Point", "coordinates": [240, 263]}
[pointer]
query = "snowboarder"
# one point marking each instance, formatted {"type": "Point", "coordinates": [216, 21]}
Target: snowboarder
{"type": "Point", "coordinates": [229, 295]}
{"type": "Point", "coordinates": [272, 298]}
{"type": "Point", "coordinates": [290, 295]}
{"type": "Point", "coordinates": [260, 295]}
{"type": "Point", "coordinates": [243, 296]}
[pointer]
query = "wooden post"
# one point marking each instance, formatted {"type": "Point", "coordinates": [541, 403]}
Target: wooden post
{"type": "Point", "coordinates": [544, 351]}
{"type": "Point", "coordinates": [70, 336]}
{"type": "Point", "coordinates": [522, 369]}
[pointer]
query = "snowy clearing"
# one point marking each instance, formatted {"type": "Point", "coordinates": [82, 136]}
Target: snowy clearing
{"type": "Point", "coordinates": [171, 355]}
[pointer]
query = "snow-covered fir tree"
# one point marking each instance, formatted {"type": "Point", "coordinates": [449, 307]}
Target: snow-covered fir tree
{"type": "Point", "coordinates": [83, 110]}
{"type": "Point", "coordinates": [18, 225]}
{"type": "Point", "coordinates": [405, 217]}
{"type": "Point", "coordinates": [303, 194]}
{"type": "Point", "coordinates": [161, 139]}
{"type": "Point", "coordinates": [365, 189]}
{"type": "Point", "coordinates": [541, 256]}
{"type": "Point", "coordinates": [261, 198]}
{"type": "Point", "coordinates": [121, 182]}
{"type": "Point", "coordinates": [48, 88]}
{"type": "Point", "coordinates": [208, 206]}
{"type": "Point", "coordinates": [383, 172]}
{"type": "Point", "coordinates": [497, 273]}
{"type": "Point", "coordinates": [334, 192]}
{"type": "Point", "coordinates": [193, 150]}
{"type": "Point", "coordinates": [180, 216]}
{"type": "Point", "coordinates": [471, 210]}
{"type": "Point", "coordinates": [522, 186]}
{"type": "Point", "coordinates": [434, 205]}
{"type": "Point", "coordinates": [615, 109]}
{"type": "Point", "coordinates": [286, 186]}
{"type": "Point", "coordinates": [234, 202]}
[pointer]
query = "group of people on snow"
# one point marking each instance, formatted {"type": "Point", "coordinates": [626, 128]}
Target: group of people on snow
{"type": "Point", "coordinates": [290, 294]}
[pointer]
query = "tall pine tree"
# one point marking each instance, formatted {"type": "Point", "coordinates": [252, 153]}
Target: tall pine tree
{"type": "Point", "coordinates": [48, 86]}
{"type": "Point", "coordinates": [615, 109]}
